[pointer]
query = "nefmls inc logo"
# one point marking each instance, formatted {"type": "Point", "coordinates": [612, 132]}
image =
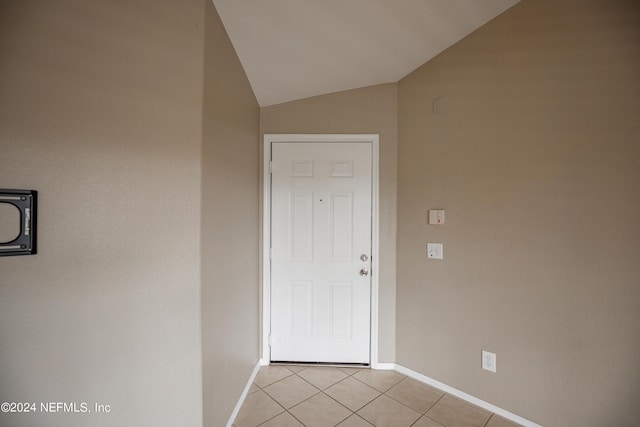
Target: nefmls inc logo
{"type": "Point", "coordinates": [64, 407]}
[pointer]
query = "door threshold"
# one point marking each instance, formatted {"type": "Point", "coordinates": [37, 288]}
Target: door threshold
{"type": "Point", "coordinates": [327, 364]}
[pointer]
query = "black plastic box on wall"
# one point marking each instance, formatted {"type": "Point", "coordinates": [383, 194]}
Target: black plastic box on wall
{"type": "Point", "coordinates": [22, 222]}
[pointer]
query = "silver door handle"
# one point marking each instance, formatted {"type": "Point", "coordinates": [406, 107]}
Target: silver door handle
{"type": "Point", "coordinates": [364, 271]}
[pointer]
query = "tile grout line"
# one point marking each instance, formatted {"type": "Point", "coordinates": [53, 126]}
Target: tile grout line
{"type": "Point", "coordinates": [314, 394]}
{"type": "Point", "coordinates": [296, 418]}
{"type": "Point", "coordinates": [431, 407]}
{"type": "Point", "coordinates": [351, 413]}
{"type": "Point", "coordinates": [358, 415]}
{"type": "Point", "coordinates": [435, 403]}
{"type": "Point", "coordinates": [285, 409]}
{"type": "Point", "coordinates": [372, 388]}
{"type": "Point", "coordinates": [272, 398]}
{"type": "Point", "coordinates": [278, 414]}
{"type": "Point", "coordinates": [319, 392]}
{"type": "Point", "coordinates": [366, 403]}
{"type": "Point", "coordinates": [403, 404]}
{"type": "Point", "coordinates": [276, 381]}
{"type": "Point", "coordinates": [488, 419]}
{"type": "Point", "coordinates": [300, 403]}
{"type": "Point", "coordinates": [335, 400]}
{"type": "Point", "coordinates": [382, 392]}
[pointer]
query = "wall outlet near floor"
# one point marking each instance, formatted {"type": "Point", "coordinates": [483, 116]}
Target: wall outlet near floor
{"type": "Point", "coordinates": [488, 361]}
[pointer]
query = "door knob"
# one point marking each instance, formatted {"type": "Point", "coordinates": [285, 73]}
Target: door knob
{"type": "Point", "coordinates": [364, 271]}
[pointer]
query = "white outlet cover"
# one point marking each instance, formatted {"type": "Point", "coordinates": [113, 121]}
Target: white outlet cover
{"type": "Point", "coordinates": [488, 361]}
{"type": "Point", "coordinates": [435, 251]}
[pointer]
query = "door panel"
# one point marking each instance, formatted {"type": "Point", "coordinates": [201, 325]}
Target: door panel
{"type": "Point", "coordinates": [341, 227]}
{"type": "Point", "coordinates": [301, 226]}
{"type": "Point", "coordinates": [320, 226]}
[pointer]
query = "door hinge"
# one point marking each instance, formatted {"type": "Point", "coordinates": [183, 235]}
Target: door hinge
{"type": "Point", "coordinates": [270, 253]}
{"type": "Point", "coordinates": [269, 340]}
{"type": "Point", "coordinates": [270, 166]}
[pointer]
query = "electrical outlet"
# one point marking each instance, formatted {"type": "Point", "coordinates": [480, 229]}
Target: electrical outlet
{"type": "Point", "coordinates": [436, 105]}
{"type": "Point", "coordinates": [488, 361]}
{"type": "Point", "coordinates": [434, 251]}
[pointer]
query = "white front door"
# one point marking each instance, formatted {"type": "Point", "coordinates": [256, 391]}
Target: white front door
{"type": "Point", "coordinates": [321, 251]}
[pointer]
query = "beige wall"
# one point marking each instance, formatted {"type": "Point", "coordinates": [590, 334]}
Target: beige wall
{"type": "Point", "coordinates": [535, 158]}
{"type": "Point", "coordinates": [101, 112]}
{"type": "Point", "coordinates": [230, 218]}
{"type": "Point", "coordinates": [367, 110]}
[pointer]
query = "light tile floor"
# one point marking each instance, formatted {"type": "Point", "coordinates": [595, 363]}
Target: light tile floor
{"type": "Point", "coordinates": [300, 396]}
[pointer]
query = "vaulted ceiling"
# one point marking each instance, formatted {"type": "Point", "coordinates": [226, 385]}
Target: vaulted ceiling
{"type": "Point", "coordinates": [293, 49]}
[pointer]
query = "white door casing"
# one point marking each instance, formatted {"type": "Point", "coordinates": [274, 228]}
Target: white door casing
{"type": "Point", "coordinates": [320, 292]}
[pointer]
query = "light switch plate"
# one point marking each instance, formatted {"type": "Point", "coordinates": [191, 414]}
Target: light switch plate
{"type": "Point", "coordinates": [434, 251]}
{"type": "Point", "coordinates": [436, 216]}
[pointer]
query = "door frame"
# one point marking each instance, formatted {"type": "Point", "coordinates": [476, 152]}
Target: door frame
{"type": "Point", "coordinates": [269, 139]}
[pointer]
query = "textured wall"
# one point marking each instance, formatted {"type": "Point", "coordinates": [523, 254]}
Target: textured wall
{"type": "Point", "coordinates": [535, 159]}
{"type": "Point", "coordinates": [230, 217]}
{"type": "Point", "coordinates": [366, 110]}
{"type": "Point", "coordinates": [101, 111]}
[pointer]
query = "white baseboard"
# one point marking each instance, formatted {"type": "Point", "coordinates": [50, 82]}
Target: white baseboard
{"type": "Point", "coordinates": [464, 396]}
{"type": "Point", "coordinates": [243, 396]}
{"type": "Point", "coordinates": [383, 366]}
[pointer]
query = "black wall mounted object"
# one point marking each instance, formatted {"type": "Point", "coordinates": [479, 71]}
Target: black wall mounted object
{"type": "Point", "coordinates": [26, 201]}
